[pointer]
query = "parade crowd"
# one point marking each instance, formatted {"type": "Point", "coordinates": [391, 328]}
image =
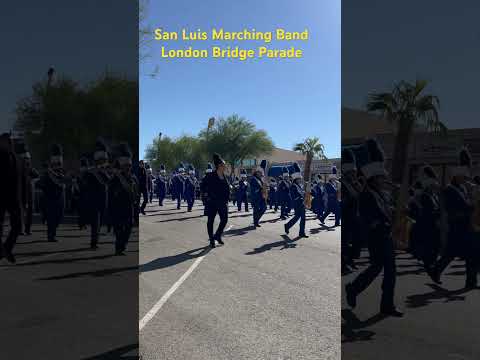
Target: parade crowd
{"type": "Point", "coordinates": [103, 192]}
{"type": "Point", "coordinates": [277, 187]}
{"type": "Point", "coordinates": [440, 222]}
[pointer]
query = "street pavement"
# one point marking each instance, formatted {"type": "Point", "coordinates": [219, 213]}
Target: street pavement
{"type": "Point", "coordinates": [262, 295]}
{"type": "Point", "coordinates": [65, 301]}
{"type": "Point", "coordinates": [440, 321]}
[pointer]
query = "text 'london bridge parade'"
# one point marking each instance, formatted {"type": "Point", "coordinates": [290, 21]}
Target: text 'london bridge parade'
{"type": "Point", "coordinates": [438, 224]}
{"type": "Point", "coordinates": [101, 191]}
{"type": "Point", "coordinates": [279, 188]}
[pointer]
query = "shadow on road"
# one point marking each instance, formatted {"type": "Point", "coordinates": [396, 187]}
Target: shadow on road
{"type": "Point", "coordinates": [117, 354]}
{"type": "Point", "coordinates": [168, 261]}
{"type": "Point", "coordinates": [353, 323]}
{"type": "Point", "coordinates": [438, 293]}
{"type": "Point", "coordinates": [240, 231]}
{"type": "Point", "coordinates": [180, 219]}
{"type": "Point", "coordinates": [286, 243]}
{"type": "Point", "coordinates": [95, 273]}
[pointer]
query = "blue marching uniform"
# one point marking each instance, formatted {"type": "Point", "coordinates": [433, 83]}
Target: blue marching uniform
{"type": "Point", "coordinates": [190, 183]}
{"type": "Point", "coordinates": [178, 183]}
{"type": "Point", "coordinates": [272, 196]}
{"type": "Point", "coordinates": [298, 197]}
{"type": "Point", "coordinates": [333, 205]}
{"type": "Point", "coordinates": [283, 196]}
{"type": "Point", "coordinates": [258, 202]}
{"type": "Point", "coordinates": [241, 195]}
{"type": "Point", "coordinates": [161, 189]}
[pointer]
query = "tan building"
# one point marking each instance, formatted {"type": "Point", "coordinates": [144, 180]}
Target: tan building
{"type": "Point", "coordinates": [439, 151]}
{"type": "Point", "coordinates": [288, 157]}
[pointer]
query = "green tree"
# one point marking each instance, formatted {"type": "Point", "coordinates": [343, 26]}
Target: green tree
{"type": "Point", "coordinates": [74, 116]}
{"type": "Point", "coordinates": [408, 108]}
{"type": "Point", "coordinates": [311, 148]}
{"type": "Point", "coordinates": [235, 139]}
{"type": "Point", "coordinates": [171, 152]}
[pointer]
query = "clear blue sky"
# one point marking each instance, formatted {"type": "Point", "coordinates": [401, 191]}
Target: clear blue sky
{"type": "Point", "coordinates": [289, 98]}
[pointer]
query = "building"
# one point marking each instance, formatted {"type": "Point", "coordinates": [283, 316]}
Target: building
{"type": "Point", "coordinates": [288, 157]}
{"type": "Point", "coordinates": [438, 150]}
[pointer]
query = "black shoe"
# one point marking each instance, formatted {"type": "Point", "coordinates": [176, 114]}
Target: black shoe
{"type": "Point", "coordinates": [350, 295]}
{"type": "Point", "coordinates": [286, 228]}
{"type": "Point", "coordinates": [283, 218]}
{"type": "Point", "coordinates": [391, 312]}
{"type": "Point", "coordinates": [120, 253]}
{"type": "Point", "coordinates": [258, 225]}
{"type": "Point", "coordinates": [10, 258]}
{"type": "Point", "coordinates": [303, 235]}
{"type": "Point", "coordinates": [435, 276]}
{"type": "Point", "coordinates": [212, 243]}
{"type": "Point", "coordinates": [219, 240]}
{"type": "Point", "coordinates": [28, 233]}
{"type": "Point", "coordinates": [93, 247]}
{"type": "Point", "coordinates": [143, 212]}
{"type": "Point", "coordinates": [52, 240]}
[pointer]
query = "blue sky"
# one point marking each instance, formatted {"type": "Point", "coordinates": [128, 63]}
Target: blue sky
{"type": "Point", "coordinates": [289, 98]}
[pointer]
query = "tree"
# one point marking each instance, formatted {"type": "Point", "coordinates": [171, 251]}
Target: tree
{"type": "Point", "coordinates": [170, 152]}
{"type": "Point", "coordinates": [311, 148]}
{"type": "Point", "coordinates": [235, 139]}
{"type": "Point", "coordinates": [144, 36]}
{"type": "Point", "coordinates": [408, 107]}
{"type": "Point", "coordinates": [75, 116]}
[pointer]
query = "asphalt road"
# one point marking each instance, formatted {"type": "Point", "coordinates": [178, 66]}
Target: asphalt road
{"type": "Point", "coordinates": [262, 295]}
{"type": "Point", "coordinates": [440, 321]}
{"type": "Point", "coordinates": [65, 301]}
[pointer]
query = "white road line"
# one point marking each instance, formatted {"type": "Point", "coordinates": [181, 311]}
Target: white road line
{"type": "Point", "coordinates": [156, 308]}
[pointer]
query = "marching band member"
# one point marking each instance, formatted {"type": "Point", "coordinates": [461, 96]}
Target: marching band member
{"type": "Point", "coordinates": [459, 208]}
{"type": "Point", "coordinates": [257, 194]}
{"type": "Point", "coordinates": [190, 185]}
{"type": "Point", "coordinates": [122, 197]}
{"type": "Point", "coordinates": [52, 183]}
{"type": "Point", "coordinates": [241, 193]}
{"type": "Point", "coordinates": [297, 194]}
{"type": "Point", "coordinates": [375, 206]}
{"type": "Point", "coordinates": [216, 190]}
{"type": "Point", "coordinates": [161, 185]}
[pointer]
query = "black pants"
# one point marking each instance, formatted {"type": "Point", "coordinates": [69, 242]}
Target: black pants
{"type": "Point", "coordinates": [122, 235]}
{"type": "Point", "coordinates": [28, 217]}
{"type": "Point", "coordinates": [144, 194]}
{"type": "Point", "coordinates": [95, 224]}
{"type": "Point", "coordinates": [240, 200]}
{"type": "Point", "coordinates": [14, 213]}
{"type": "Point", "coordinates": [284, 208]}
{"type": "Point", "coordinates": [382, 257]}
{"type": "Point", "coordinates": [212, 210]}
{"type": "Point", "coordinates": [299, 215]}
{"type": "Point", "coordinates": [259, 208]}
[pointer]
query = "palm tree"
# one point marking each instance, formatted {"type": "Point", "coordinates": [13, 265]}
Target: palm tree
{"type": "Point", "coordinates": [311, 148]}
{"type": "Point", "coordinates": [407, 107]}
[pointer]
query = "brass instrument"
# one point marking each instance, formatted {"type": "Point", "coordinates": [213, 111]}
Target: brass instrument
{"type": "Point", "coordinates": [265, 189]}
{"type": "Point", "coordinates": [308, 195]}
